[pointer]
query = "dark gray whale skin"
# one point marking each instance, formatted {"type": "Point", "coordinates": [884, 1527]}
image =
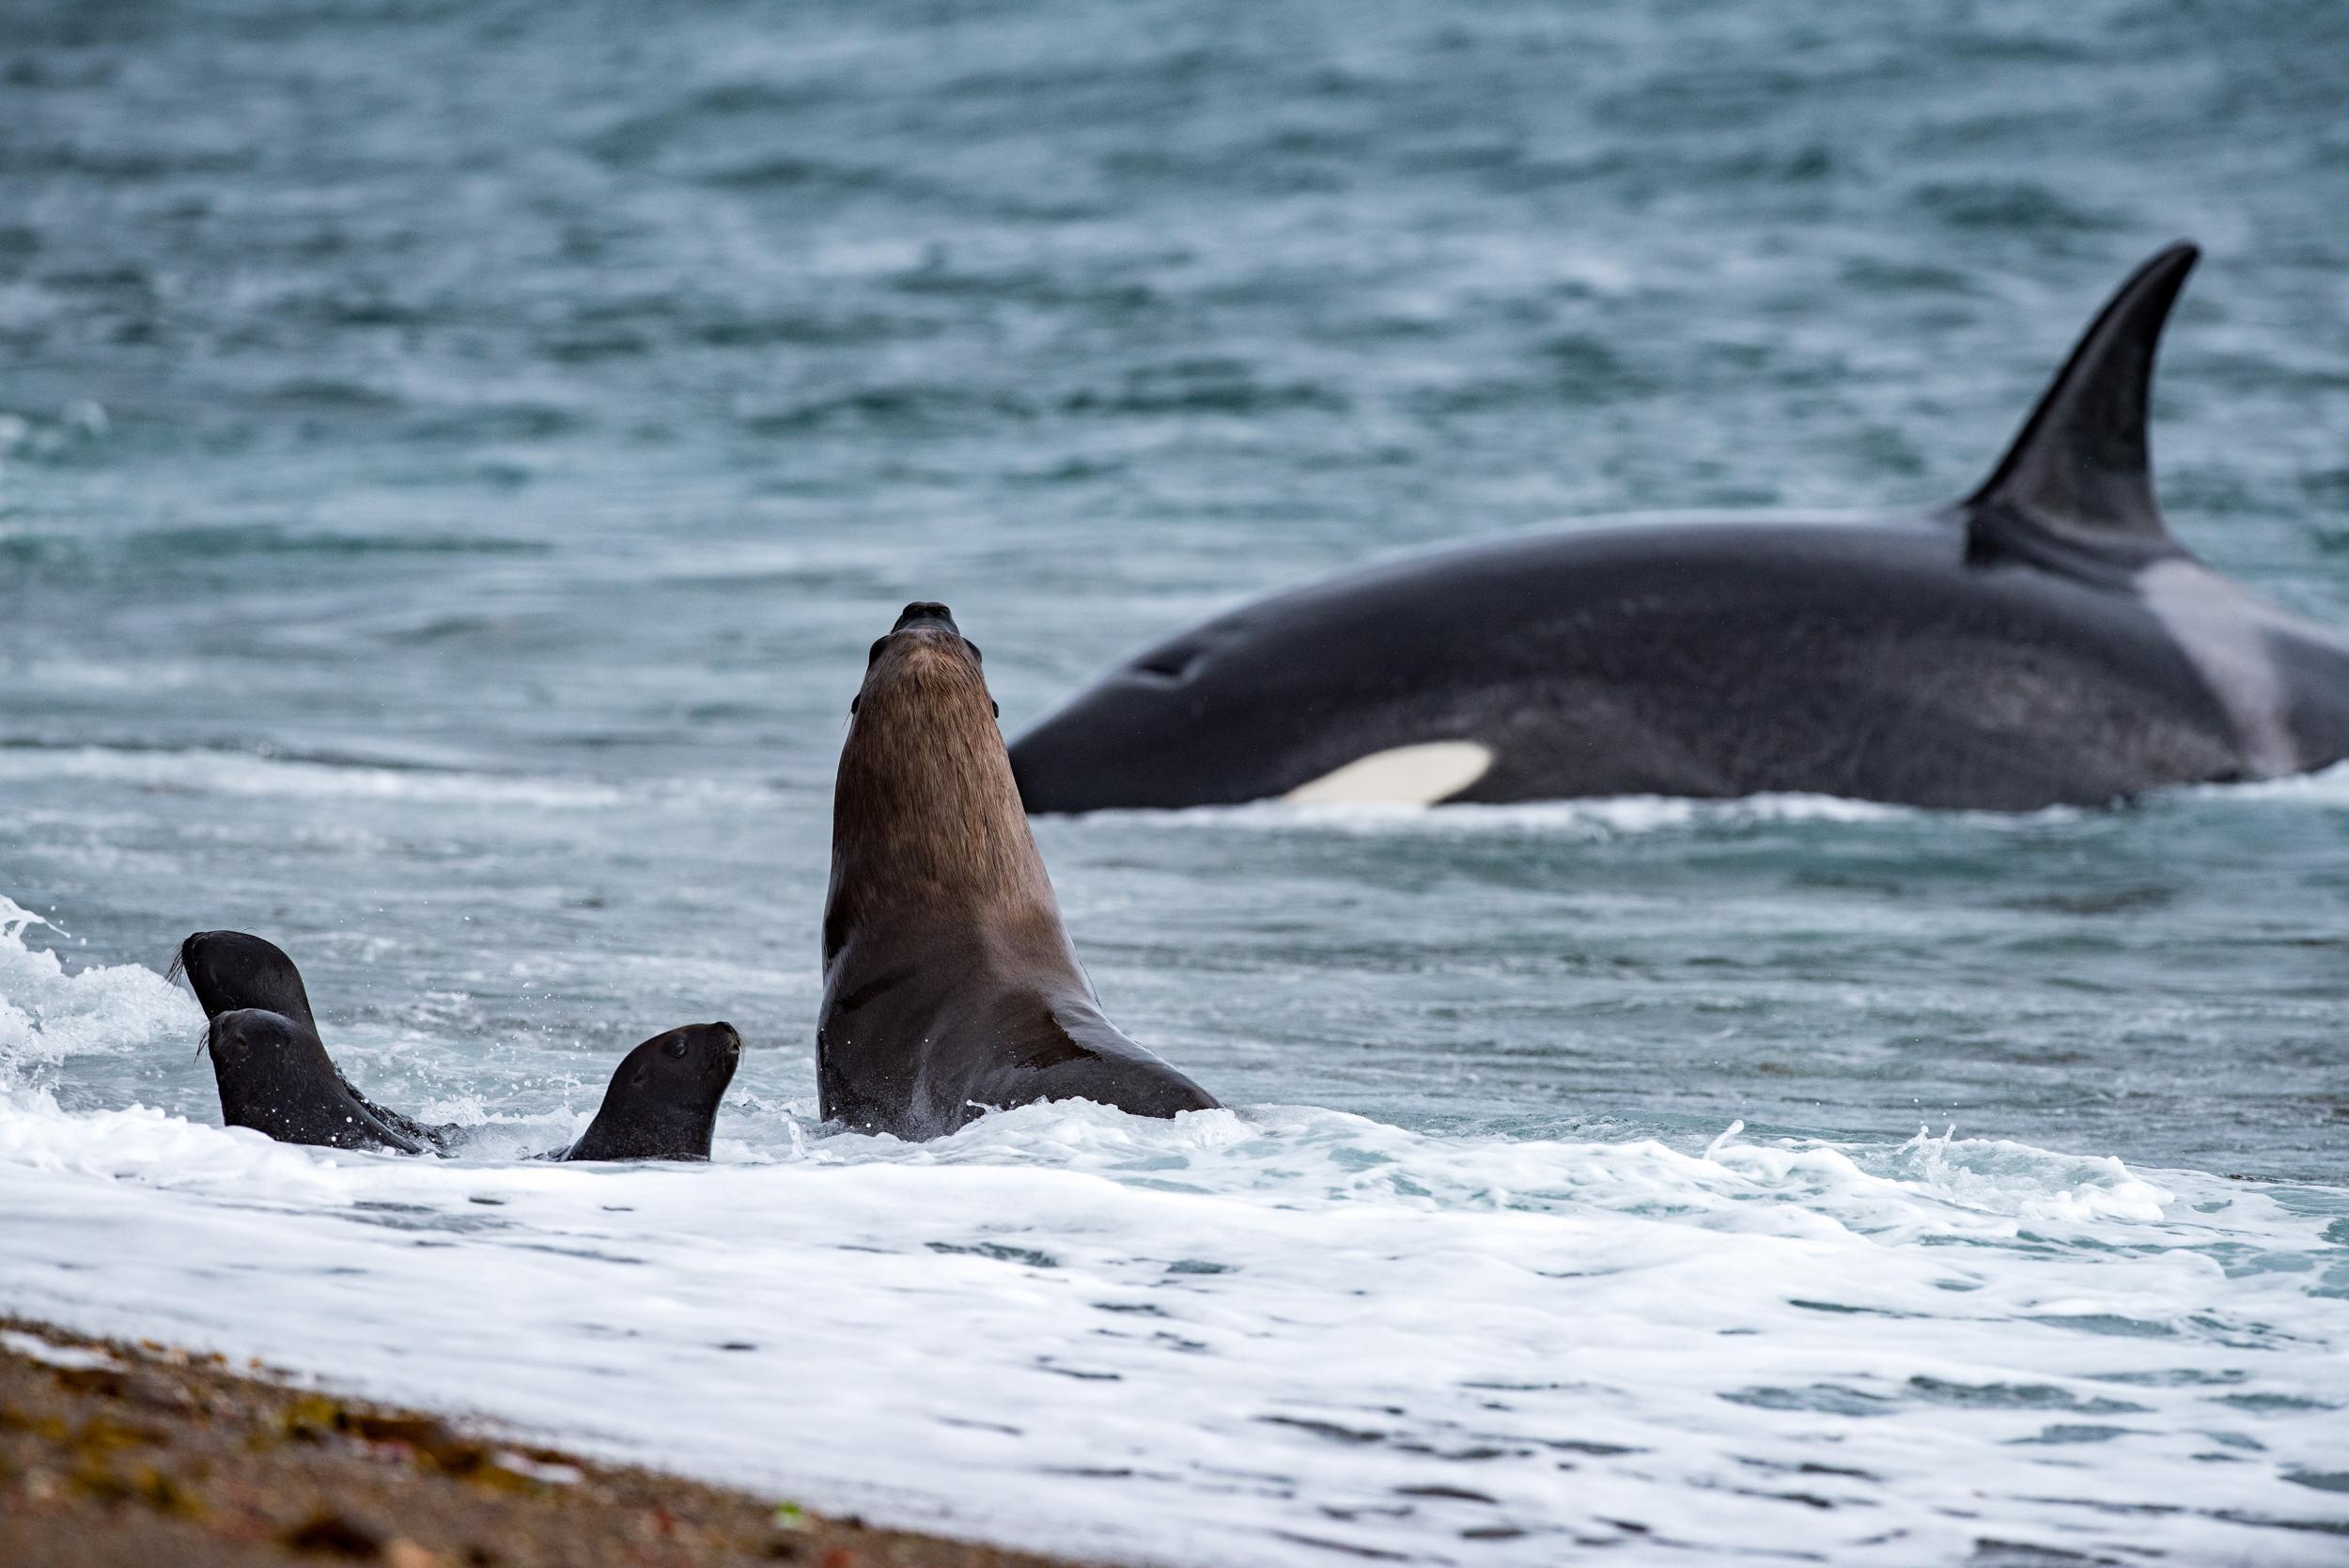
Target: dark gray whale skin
{"type": "Point", "coordinates": [2042, 642]}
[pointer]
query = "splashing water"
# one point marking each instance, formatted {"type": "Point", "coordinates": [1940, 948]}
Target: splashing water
{"type": "Point", "coordinates": [1248, 1335]}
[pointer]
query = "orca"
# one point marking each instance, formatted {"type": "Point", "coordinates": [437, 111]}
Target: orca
{"type": "Point", "coordinates": [2045, 640]}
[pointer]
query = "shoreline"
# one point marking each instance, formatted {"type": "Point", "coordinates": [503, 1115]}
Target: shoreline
{"type": "Point", "coordinates": [118, 1456]}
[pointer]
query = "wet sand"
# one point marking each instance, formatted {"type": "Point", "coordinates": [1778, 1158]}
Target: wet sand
{"type": "Point", "coordinates": [114, 1454]}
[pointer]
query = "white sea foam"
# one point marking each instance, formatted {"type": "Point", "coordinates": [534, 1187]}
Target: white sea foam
{"type": "Point", "coordinates": [1219, 1339]}
{"type": "Point", "coordinates": [73, 1358]}
{"type": "Point", "coordinates": [48, 1013]}
{"type": "Point", "coordinates": [1611, 816]}
{"type": "Point", "coordinates": [1630, 815]}
{"type": "Point", "coordinates": [1269, 1336]}
{"type": "Point", "coordinates": [1264, 1336]}
{"type": "Point", "coordinates": [241, 773]}
{"type": "Point", "coordinates": [212, 772]}
{"type": "Point", "coordinates": [87, 674]}
{"type": "Point", "coordinates": [2327, 786]}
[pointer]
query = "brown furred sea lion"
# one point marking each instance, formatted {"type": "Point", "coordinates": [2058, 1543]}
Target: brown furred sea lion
{"type": "Point", "coordinates": [950, 987]}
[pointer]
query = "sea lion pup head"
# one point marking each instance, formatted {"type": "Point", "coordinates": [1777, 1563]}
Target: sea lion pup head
{"type": "Point", "coordinates": [276, 1076]}
{"type": "Point", "coordinates": [926, 822]}
{"type": "Point", "coordinates": [663, 1100]}
{"type": "Point", "coordinates": [232, 970]}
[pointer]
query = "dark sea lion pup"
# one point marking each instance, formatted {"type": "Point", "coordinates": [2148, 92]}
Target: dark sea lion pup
{"type": "Point", "coordinates": [663, 1100]}
{"type": "Point", "coordinates": [229, 970]}
{"type": "Point", "coordinates": [232, 970]}
{"type": "Point", "coordinates": [950, 987]}
{"type": "Point", "coordinates": [277, 1077]}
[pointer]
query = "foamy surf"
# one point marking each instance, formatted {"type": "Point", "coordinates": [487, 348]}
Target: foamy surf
{"type": "Point", "coordinates": [205, 772]}
{"type": "Point", "coordinates": [1608, 816]}
{"type": "Point", "coordinates": [49, 1012]}
{"type": "Point", "coordinates": [1277, 1335]}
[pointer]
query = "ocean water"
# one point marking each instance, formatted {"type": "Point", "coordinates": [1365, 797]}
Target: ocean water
{"type": "Point", "coordinates": [454, 456]}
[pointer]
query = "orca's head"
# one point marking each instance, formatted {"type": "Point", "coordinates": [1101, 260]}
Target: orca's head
{"type": "Point", "coordinates": [1213, 717]}
{"type": "Point", "coordinates": [233, 969]}
{"type": "Point", "coordinates": [1370, 688]}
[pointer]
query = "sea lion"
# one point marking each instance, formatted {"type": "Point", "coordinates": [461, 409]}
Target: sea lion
{"type": "Point", "coordinates": [229, 970]}
{"type": "Point", "coordinates": [661, 1103]}
{"type": "Point", "coordinates": [235, 969]}
{"type": "Point", "coordinates": [2044, 640]}
{"type": "Point", "coordinates": [950, 987]}
{"type": "Point", "coordinates": [276, 1076]}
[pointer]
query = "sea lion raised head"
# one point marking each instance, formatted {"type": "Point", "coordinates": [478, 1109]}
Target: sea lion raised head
{"type": "Point", "coordinates": [230, 969]}
{"type": "Point", "coordinates": [937, 830]}
{"type": "Point", "coordinates": [234, 971]}
{"type": "Point", "coordinates": [663, 1103]}
{"type": "Point", "coordinates": [276, 1076]}
{"type": "Point", "coordinates": [950, 987]}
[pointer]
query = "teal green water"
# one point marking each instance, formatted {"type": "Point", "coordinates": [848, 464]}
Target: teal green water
{"type": "Point", "coordinates": [454, 458]}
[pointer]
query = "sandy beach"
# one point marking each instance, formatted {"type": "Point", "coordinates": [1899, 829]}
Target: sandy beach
{"type": "Point", "coordinates": [113, 1453]}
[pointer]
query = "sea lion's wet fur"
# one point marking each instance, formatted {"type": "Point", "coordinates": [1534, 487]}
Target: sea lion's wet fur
{"type": "Point", "coordinates": [950, 985]}
{"type": "Point", "coordinates": [231, 970]}
{"type": "Point", "coordinates": [276, 1076]}
{"type": "Point", "coordinates": [278, 1079]}
{"type": "Point", "coordinates": [662, 1102]}
{"type": "Point", "coordinates": [234, 969]}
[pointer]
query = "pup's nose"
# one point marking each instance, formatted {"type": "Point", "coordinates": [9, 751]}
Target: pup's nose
{"type": "Point", "coordinates": [733, 1037]}
{"type": "Point", "coordinates": [927, 612]}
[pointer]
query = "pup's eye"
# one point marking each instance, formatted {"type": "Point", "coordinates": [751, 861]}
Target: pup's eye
{"type": "Point", "coordinates": [674, 1047]}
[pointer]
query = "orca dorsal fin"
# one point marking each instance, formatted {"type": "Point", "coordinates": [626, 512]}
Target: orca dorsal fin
{"type": "Point", "coordinates": [2080, 471]}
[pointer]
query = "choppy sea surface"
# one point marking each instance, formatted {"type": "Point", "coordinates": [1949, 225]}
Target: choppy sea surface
{"type": "Point", "coordinates": [453, 458]}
